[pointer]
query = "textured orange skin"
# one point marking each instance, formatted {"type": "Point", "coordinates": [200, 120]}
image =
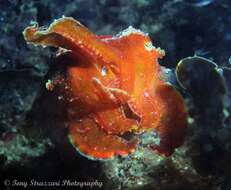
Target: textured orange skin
{"type": "Point", "coordinates": [106, 74]}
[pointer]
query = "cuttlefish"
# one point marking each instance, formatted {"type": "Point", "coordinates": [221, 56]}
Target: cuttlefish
{"type": "Point", "coordinates": [114, 87]}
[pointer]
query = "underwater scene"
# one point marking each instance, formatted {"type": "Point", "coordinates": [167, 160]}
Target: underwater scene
{"type": "Point", "coordinates": [115, 94]}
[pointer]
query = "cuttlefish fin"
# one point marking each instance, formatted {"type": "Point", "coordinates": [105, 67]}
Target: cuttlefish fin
{"type": "Point", "coordinates": [92, 141]}
{"type": "Point", "coordinates": [173, 121]}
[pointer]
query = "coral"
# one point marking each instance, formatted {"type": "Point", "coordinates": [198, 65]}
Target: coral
{"type": "Point", "coordinates": [16, 147]}
{"type": "Point", "coordinates": [209, 141]}
{"type": "Point", "coordinates": [112, 87]}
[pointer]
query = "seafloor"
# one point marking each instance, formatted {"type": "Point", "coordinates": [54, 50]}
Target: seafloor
{"type": "Point", "coordinates": [33, 142]}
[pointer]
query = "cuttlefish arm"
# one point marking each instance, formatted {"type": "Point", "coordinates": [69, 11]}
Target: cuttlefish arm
{"type": "Point", "coordinates": [92, 141]}
{"type": "Point", "coordinates": [70, 34]}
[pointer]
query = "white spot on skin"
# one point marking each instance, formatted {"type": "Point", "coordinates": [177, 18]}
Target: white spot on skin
{"type": "Point", "coordinates": [34, 23]}
{"type": "Point", "coordinates": [60, 97]}
{"type": "Point", "coordinates": [140, 183]}
{"type": "Point", "coordinates": [160, 51]}
{"type": "Point", "coordinates": [71, 100]}
{"type": "Point", "coordinates": [130, 30]}
{"type": "Point", "coordinates": [149, 47]}
{"type": "Point", "coordinates": [146, 94]}
{"type": "Point", "coordinates": [49, 85]}
{"type": "Point", "coordinates": [103, 71]}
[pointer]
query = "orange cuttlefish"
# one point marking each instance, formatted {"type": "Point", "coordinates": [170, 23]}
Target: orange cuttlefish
{"type": "Point", "coordinates": [115, 87]}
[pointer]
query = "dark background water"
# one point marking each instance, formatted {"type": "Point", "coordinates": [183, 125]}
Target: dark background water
{"type": "Point", "coordinates": [27, 150]}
